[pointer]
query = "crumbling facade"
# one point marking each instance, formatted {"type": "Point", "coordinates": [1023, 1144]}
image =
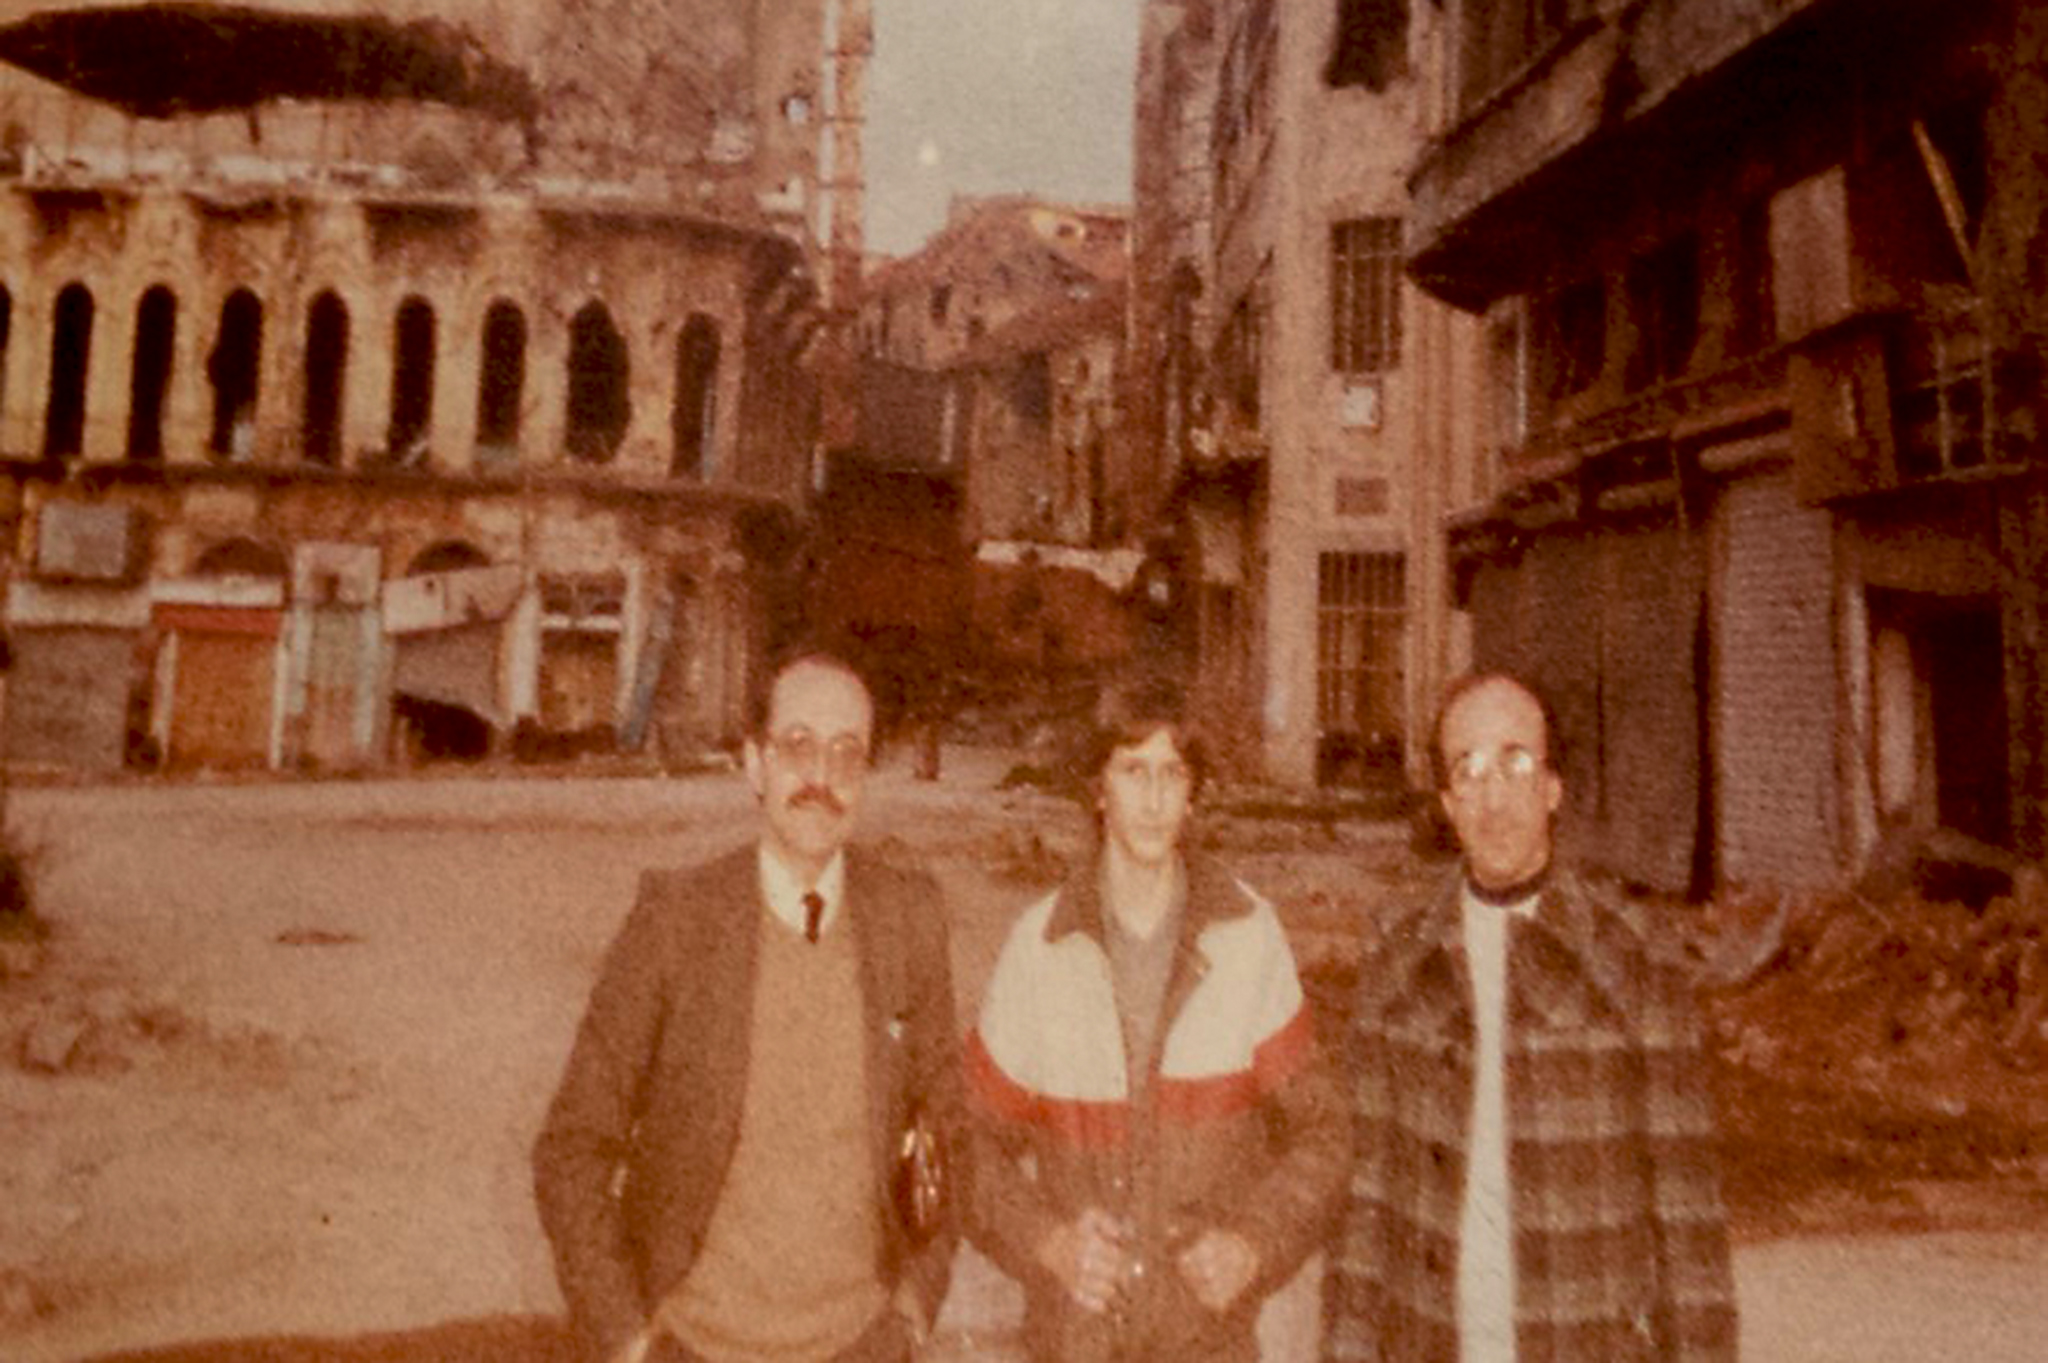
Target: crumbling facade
{"type": "Point", "coordinates": [1291, 390]}
{"type": "Point", "coordinates": [993, 367]}
{"type": "Point", "coordinates": [398, 382]}
{"type": "Point", "coordinates": [1762, 466]}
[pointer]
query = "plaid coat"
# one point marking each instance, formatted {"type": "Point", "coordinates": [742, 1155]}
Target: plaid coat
{"type": "Point", "coordinates": [1620, 1237]}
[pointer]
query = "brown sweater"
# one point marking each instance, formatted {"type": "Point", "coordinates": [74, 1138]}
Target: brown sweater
{"type": "Point", "coordinates": [787, 1270]}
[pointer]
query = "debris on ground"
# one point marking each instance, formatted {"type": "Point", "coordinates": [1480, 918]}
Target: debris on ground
{"type": "Point", "coordinates": [73, 1028]}
{"type": "Point", "coordinates": [1937, 864]}
{"type": "Point", "coordinates": [1851, 986]}
{"type": "Point", "coordinates": [1862, 1043]}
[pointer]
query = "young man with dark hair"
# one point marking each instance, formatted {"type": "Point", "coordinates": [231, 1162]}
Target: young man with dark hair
{"type": "Point", "coordinates": [1536, 1174]}
{"type": "Point", "coordinates": [716, 1171]}
{"type": "Point", "coordinates": [1158, 1143]}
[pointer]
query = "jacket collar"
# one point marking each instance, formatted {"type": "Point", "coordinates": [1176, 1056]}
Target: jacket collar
{"type": "Point", "coordinates": [1562, 964]}
{"type": "Point", "coordinates": [1212, 896]}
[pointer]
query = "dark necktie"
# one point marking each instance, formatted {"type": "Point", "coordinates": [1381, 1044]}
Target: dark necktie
{"type": "Point", "coordinates": [814, 914]}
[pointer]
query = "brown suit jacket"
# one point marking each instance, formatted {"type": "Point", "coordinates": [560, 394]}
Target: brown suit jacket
{"type": "Point", "coordinates": [635, 1147]}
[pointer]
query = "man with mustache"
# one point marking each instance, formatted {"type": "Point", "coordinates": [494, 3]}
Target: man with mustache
{"type": "Point", "coordinates": [717, 1173]}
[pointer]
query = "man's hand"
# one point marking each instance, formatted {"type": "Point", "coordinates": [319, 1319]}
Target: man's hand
{"type": "Point", "coordinates": [1088, 1256]}
{"type": "Point", "coordinates": [1218, 1267]}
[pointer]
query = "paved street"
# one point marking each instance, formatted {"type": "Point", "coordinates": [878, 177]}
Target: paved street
{"type": "Point", "coordinates": [333, 1013]}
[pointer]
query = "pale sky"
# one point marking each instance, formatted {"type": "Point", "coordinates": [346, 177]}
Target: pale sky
{"type": "Point", "coordinates": [986, 96]}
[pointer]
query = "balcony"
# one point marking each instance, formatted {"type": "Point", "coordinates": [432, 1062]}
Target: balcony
{"type": "Point", "coordinates": [1586, 103]}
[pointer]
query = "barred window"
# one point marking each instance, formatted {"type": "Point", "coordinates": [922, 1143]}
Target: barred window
{"type": "Point", "coordinates": [1365, 295]}
{"type": "Point", "coordinates": [1360, 624]}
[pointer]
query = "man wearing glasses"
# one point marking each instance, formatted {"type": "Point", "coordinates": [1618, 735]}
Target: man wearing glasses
{"type": "Point", "coordinates": [1535, 1175]}
{"type": "Point", "coordinates": [716, 1173]}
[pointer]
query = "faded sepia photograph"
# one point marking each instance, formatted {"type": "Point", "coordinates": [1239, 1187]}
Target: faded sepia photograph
{"type": "Point", "coordinates": [1023, 681]}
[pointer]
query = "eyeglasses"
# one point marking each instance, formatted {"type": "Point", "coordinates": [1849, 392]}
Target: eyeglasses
{"type": "Point", "coordinates": [1514, 766]}
{"type": "Point", "coordinates": [843, 758]}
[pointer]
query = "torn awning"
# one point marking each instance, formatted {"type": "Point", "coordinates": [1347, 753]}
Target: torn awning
{"type": "Point", "coordinates": [162, 60]}
{"type": "Point", "coordinates": [457, 667]}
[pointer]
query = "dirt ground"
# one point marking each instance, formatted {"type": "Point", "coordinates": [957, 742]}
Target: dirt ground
{"type": "Point", "coordinates": [303, 1034]}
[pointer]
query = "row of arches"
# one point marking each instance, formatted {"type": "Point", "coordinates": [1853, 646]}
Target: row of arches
{"type": "Point", "coordinates": [244, 556]}
{"type": "Point", "coordinates": [598, 403]}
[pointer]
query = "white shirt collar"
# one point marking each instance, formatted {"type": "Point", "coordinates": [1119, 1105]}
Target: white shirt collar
{"type": "Point", "coordinates": [784, 892]}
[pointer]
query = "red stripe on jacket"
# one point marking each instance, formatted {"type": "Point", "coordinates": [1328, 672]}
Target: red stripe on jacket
{"type": "Point", "coordinates": [1224, 1095]}
{"type": "Point", "coordinates": [1098, 1124]}
{"type": "Point", "coordinates": [1083, 1123]}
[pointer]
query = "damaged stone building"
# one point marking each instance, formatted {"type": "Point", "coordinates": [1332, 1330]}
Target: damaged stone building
{"type": "Point", "coordinates": [991, 363]}
{"type": "Point", "coordinates": [1014, 315]}
{"type": "Point", "coordinates": [381, 380]}
{"type": "Point", "coordinates": [1294, 392]}
{"type": "Point", "coordinates": [1763, 295]}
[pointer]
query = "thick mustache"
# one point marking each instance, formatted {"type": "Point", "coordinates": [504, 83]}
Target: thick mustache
{"type": "Point", "coordinates": [821, 796]}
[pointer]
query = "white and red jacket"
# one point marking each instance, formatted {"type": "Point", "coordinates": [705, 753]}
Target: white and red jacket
{"type": "Point", "coordinates": [1239, 1125]}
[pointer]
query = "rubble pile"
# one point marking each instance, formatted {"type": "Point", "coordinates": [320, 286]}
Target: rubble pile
{"type": "Point", "coordinates": [1840, 988]}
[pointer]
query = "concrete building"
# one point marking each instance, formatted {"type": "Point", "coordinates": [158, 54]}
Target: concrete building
{"type": "Point", "coordinates": [1762, 291]}
{"type": "Point", "coordinates": [1291, 388]}
{"type": "Point", "coordinates": [400, 379]}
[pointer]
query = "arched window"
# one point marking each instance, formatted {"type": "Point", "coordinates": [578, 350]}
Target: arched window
{"type": "Point", "coordinates": [240, 557]}
{"type": "Point", "coordinates": [232, 369]}
{"type": "Point", "coordinates": [326, 374]}
{"type": "Point", "coordinates": [412, 381]}
{"type": "Point", "coordinates": [149, 377]}
{"type": "Point", "coordinates": [70, 353]}
{"type": "Point", "coordinates": [501, 382]}
{"type": "Point", "coordinates": [598, 405]}
{"type": "Point", "coordinates": [694, 419]}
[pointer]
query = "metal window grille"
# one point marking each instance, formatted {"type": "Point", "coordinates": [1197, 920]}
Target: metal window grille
{"type": "Point", "coordinates": [1365, 295]}
{"type": "Point", "coordinates": [1360, 610]}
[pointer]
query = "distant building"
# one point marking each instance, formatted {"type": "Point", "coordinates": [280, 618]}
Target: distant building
{"type": "Point", "coordinates": [1292, 394]}
{"type": "Point", "coordinates": [997, 258]}
{"type": "Point", "coordinates": [992, 378]}
{"type": "Point", "coordinates": [379, 386]}
{"type": "Point", "coordinates": [1763, 499]}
